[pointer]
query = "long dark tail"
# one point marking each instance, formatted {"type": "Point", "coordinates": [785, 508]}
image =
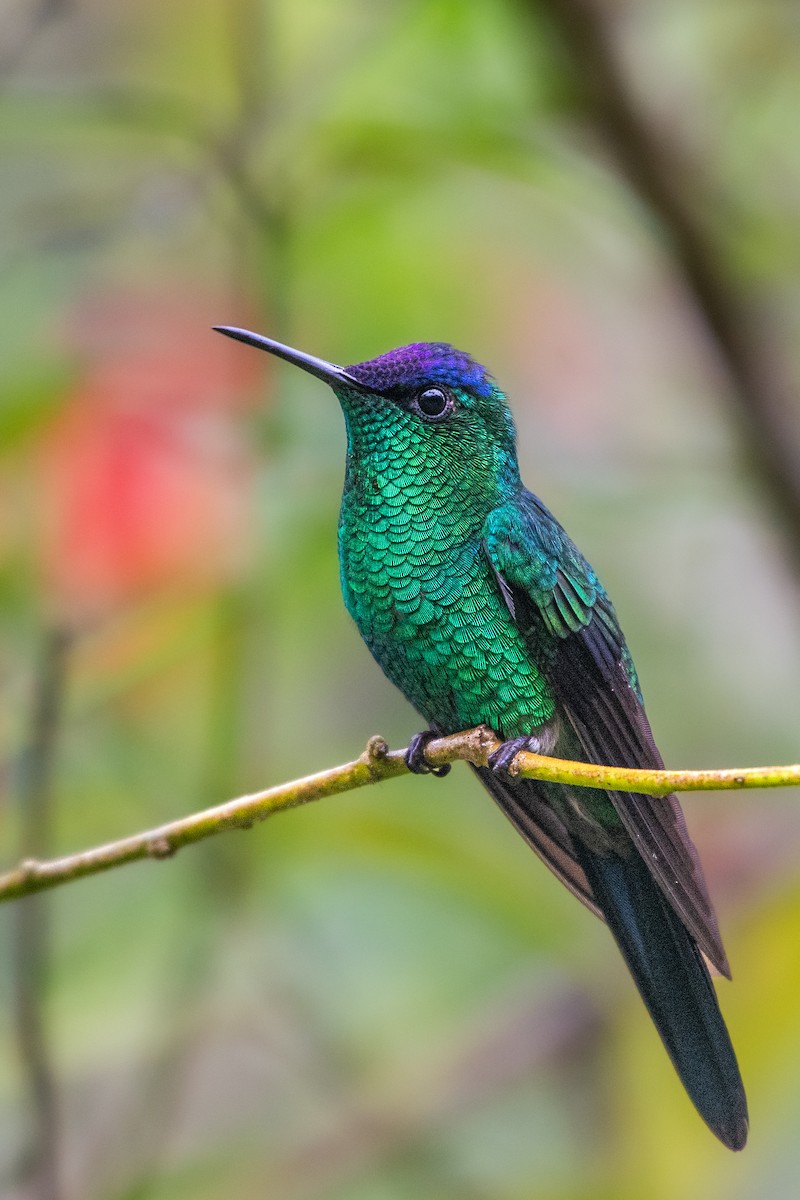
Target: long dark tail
{"type": "Point", "coordinates": [661, 955]}
{"type": "Point", "coordinates": [676, 987]}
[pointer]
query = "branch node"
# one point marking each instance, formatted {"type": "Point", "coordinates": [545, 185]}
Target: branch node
{"type": "Point", "coordinates": [485, 741]}
{"type": "Point", "coordinates": [375, 752]}
{"type": "Point", "coordinates": [161, 847]}
{"type": "Point", "coordinates": [29, 869]}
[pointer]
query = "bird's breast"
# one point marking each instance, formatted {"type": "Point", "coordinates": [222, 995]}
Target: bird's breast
{"type": "Point", "coordinates": [420, 589]}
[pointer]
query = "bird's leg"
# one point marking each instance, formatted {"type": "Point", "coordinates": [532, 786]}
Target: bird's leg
{"type": "Point", "coordinates": [415, 756]}
{"type": "Point", "coordinates": [502, 759]}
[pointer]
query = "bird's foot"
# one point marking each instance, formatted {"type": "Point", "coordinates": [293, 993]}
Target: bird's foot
{"type": "Point", "coordinates": [502, 759]}
{"type": "Point", "coordinates": [415, 756]}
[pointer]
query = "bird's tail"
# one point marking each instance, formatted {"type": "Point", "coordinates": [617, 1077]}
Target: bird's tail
{"type": "Point", "coordinates": [676, 987]}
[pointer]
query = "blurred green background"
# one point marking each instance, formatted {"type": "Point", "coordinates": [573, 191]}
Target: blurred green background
{"type": "Point", "coordinates": [384, 995]}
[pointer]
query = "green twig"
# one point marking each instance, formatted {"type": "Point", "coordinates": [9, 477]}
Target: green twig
{"type": "Point", "coordinates": [375, 764]}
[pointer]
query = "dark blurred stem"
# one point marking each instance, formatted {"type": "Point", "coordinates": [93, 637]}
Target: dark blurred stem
{"type": "Point", "coordinates": [32, 933]}
{"type": "Point", "coordinates": [762, 401]}
{"type": "Point", "coordinates": [218, 880]}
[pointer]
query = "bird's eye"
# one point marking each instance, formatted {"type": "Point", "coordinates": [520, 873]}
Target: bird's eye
{"type": "Point", "coordinates": [434, 403]}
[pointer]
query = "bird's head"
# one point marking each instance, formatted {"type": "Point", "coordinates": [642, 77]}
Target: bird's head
{"type": "Point", "coordinates": [430, 402]}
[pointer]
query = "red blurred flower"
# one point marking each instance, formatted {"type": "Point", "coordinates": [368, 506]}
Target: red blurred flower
{"type": "Point", "coordinates": [146, 478]}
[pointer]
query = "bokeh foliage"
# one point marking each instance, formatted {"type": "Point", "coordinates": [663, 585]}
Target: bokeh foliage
{"type": "Point", "coordinates": [384, 995]}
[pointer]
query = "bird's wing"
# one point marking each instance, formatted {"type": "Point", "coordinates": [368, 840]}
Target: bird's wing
{"type": "Point", "coordinates": [571, 628]}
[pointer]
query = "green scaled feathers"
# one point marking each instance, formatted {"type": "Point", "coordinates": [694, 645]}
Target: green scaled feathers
{"type": "Point", "coordinates": [414, 573]}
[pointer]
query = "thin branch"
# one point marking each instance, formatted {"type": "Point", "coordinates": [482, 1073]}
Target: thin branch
{"type": "Point", "coordinates": [375, 764]}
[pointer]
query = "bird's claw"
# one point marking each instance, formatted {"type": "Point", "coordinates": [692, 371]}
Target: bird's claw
{"type": "Point", "coordinates": [503, 758]}
{"type": "Point", "coordinates": [415, 756]}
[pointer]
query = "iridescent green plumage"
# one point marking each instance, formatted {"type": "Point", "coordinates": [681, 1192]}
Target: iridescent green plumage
{"type": "Point", "coordinates": [480, 608]}
{"type": "Point", "coordinates": [416, 579]}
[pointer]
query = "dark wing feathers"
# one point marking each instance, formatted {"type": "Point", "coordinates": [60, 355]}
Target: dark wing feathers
{"type": "Point", "coordinates": [550, 589]}
{"type": "Point", "coordinates": [610, 723]}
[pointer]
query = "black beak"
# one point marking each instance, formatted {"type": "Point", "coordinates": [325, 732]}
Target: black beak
{"type": "Point", "coordinates": [329, 372]}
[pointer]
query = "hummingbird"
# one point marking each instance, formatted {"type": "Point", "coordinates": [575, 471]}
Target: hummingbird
{"type": "Point", "coordinates": [479, 607]}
